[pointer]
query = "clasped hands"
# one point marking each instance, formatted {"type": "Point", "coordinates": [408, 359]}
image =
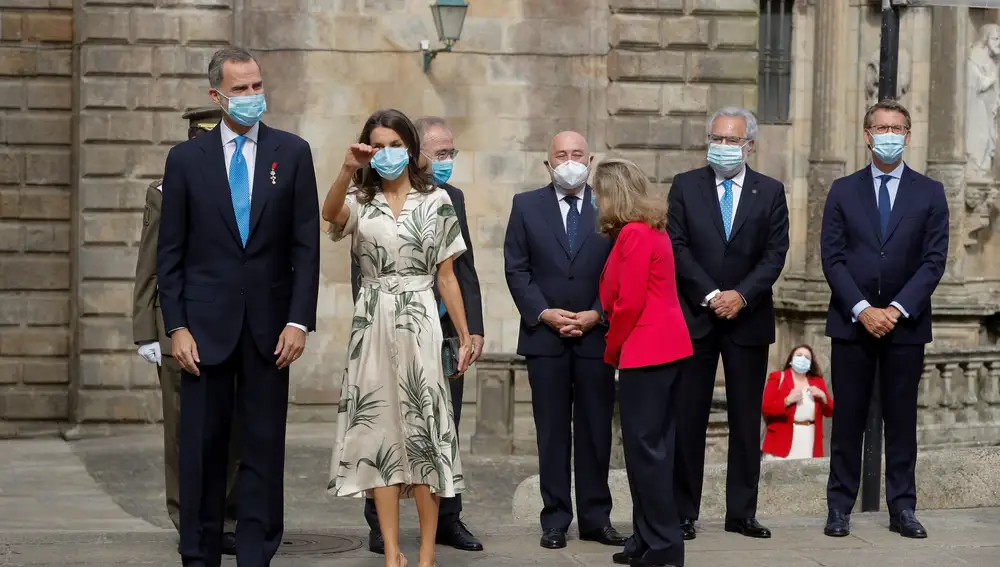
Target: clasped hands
{"type": "Point", "coordinates": [879, 322]}
{"type": "Point", "coordinates": [795, 395]}
{"type": "Point", "coordinates": [569, 324]}
{"type": "Point", "coordinates": [727, 304]}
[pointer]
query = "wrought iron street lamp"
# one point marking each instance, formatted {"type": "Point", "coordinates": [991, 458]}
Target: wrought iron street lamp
{"type": "Point", "coordinates": [449, 17]}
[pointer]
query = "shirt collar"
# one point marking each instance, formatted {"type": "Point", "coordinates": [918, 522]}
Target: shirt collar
{"type": "Point", "coordinates": [562, 193]}
{"type": "Point", "coordinates": [228, 135]}
{"type": "Point", "coordinates": [897, 172]}
{"type": "Point", "coordinates": [737, 179]}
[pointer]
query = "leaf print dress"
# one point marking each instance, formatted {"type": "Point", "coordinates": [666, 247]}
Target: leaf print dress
{"type": "Point", "coordinates": [395, 422]}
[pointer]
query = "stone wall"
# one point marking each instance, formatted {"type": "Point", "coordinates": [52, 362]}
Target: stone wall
{"type": "Point", "coordinates": [35, 211]}
{"type": "Point", "coordinates": [672, 63]}
{"type": "Point", "coordinates": [140, 64]}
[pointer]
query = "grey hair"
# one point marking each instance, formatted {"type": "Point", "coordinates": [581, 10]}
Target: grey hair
{"type": "Point", "coordinates": [220, 57]}
{"type": "Point", "coordinates": [746, 115]}
{"type": "Point", "coordinates": [427, 122]}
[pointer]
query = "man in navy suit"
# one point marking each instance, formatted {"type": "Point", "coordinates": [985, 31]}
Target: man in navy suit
{"type": "Point", "coordinates": [438, 145]}
{"type": "Point", "coordinates": [884, 248]}
{"type": "Point", "coordinates": [553, 258]}
{"type": "Point", "coordinates": [729, 228]}
{"type": "Point", "coordinates": [238, 274]}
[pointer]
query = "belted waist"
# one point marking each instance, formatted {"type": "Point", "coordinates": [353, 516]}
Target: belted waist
{"type": "Point", "coordinates": [809, 422]}
{"type": "Point", "coordinates": [396, 285]}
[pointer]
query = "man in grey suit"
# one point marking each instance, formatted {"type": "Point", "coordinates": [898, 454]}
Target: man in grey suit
{"type": "Point", "coordinates": [438, 146]}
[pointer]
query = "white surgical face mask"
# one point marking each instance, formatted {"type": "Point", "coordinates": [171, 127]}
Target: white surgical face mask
{"type": "Point", "coordinates": [570, 175]}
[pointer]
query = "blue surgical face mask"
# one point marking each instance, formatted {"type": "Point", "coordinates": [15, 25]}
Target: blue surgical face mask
{"type": "Point", "coordinates": [390, 163]}
{"type": "Point", "coordinates": [246, 110]}
{"type": "Point", "coordinates": [888, 147]}
{"type": "Point", "coordinates": [801, 364]}
{"type": "Point", "coordinates": [441, 170]}
{"type": "Point", "coordinates": [726, 160]}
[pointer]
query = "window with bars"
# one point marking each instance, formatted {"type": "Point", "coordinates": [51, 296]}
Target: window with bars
{"type": "Point", "coordinates": [774, 70]}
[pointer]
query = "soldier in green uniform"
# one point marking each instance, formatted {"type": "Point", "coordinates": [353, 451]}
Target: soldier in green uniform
{"type": "Point", "coordinates": [154, 345]}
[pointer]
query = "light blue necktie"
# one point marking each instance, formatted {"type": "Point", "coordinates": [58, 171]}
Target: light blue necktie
{"type": "Point", "coordinates": [239, 189]}
{"type": "Point", "coordinates": [884, 203]}
{"type": "Point", "coordinates": [727, 206]}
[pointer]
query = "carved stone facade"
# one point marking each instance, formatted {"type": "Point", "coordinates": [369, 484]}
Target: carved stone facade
{"type": "Point", "coordinates": [91, 94]}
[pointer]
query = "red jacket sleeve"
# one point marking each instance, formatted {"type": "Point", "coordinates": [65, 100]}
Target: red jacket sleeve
{"type": "Point", "coordinates": [774, 402]}
{"type": "Point", "coordinates": [633, 252]}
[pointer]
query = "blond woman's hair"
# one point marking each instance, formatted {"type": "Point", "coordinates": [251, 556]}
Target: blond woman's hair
{"type": "Point", "coordinates": [623, 196]}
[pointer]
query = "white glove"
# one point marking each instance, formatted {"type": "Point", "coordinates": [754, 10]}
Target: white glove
{"type": "Point", "coordinates": [151, 353]}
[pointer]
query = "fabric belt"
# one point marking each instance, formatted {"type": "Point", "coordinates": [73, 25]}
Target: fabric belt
{"type": "Point", "coordinates": [804, 422]}
{"type": "Point", "coordinates": [396, 285]}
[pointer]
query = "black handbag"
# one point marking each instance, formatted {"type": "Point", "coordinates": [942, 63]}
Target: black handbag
{"type": "Point", "coordinates": [449, 356]}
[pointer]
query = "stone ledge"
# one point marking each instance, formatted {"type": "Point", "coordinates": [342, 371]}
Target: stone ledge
{"type": "Point", "coordinates": [946, 479]}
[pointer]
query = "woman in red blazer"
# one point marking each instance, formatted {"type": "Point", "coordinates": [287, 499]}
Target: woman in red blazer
{"type": "Point", "coordinates": [646, 339]}
{"type": "Point", "coordinates": [795, 402]}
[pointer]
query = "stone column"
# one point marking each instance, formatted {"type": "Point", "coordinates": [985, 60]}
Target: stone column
{"type": "Point", "coordinates": [946, 146]}
{"type": "Point", "coordinates": [827, 159]}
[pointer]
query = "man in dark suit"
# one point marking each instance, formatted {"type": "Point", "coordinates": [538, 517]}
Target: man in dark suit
{"type": "Point", "coordinates": [154, 346]}
{"type": "Point", "coordinates": [884, 248]}
{"type": "Point", "coordinates": [729, 228]}
{"type": "Point", "coordinates": [438, 145]}
{"type": "Point", "coordinates": [553, 259]}
{"type": "Point", "coordinates": [238, 270]}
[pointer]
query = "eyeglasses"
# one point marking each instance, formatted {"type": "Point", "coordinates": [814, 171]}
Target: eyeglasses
{"type": "Point", "coordinates": [444, 154]}
{"type": "Point", "coordinates": [727, 140]}
{"type": "Point", "coordinates": [886, 128]}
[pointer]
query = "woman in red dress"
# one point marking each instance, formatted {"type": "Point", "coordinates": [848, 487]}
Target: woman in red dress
{"type": "Point", "coordinates": [795, 402]}
{"type": "Point", "coordinates": [646, 340]}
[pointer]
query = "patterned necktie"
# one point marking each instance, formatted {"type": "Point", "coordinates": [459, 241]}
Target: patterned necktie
{"type": "Point", "coordinates": [572, 220]}
{"type": "Point", "coordinates": [884, 203]}
{"type": "Point", "coordinates": [727, 206]}
{"type": "Point", "coordinates": [239, 189]}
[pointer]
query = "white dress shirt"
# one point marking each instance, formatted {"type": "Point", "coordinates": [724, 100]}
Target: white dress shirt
{"type": "Point", "coordinates": [250, 156]}
{"type": "Point", "coordinates": [561, 195]}
{"type": "Point", "coordinates": [893, 185]}
{"type": "Point", "coordinates": [737, 192]}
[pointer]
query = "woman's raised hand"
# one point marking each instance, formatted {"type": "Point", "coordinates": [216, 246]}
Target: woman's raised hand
{"type": "Point", "coordinates": [359, 155]}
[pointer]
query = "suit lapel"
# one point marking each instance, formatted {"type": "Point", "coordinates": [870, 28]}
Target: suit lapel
{"type": "Point", "coordinates": [748, 197]}
{"type": "Point", "coordinates": [866, 196]}
{"type": "Point", "coordinates": [587, 222]}
{"type": "Point", "coordinates": [262, 187]}
{"type": "Point", "coordinates": [711, 194]}
{"type": "Point", "coordinates": [903, 199]}
{"type": "Point", "coordinates": [217, 179]}
{"type": "Point", "coordinates": [553, 217]}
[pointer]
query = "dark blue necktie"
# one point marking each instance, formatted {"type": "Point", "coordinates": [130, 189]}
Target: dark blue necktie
{"type": "Point", "coordinates": [572, 220]}
{"type": "Point", "coordinates": [884, 204]}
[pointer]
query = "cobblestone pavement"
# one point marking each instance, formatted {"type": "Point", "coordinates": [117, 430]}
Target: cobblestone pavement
{"type": "Point", "coordinates": [98, 502]}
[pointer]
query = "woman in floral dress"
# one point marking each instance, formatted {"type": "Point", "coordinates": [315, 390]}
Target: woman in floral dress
{"type": "Point", "coordinates": [395, 430]}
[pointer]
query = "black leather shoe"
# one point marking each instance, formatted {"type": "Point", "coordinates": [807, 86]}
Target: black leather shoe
{"type": "Point", "coordinates": [229, 543]}
{"type": "Point", "coordinates": [749, 527]}
{"type": "Point", "coordinates": [375, 542]}
{"type": "Point", "coordinates": [838, 524]}
{"type": "Point", "coordinates": [553, 539]}
{"type": "Point", "coordinates": [607, 535]}
{"type": "Point", "coordinates": [907, 525]}
{"type": "Point", "coordinates": [640, 562]}
{"type": "Point", "coordinates": [621, 558]}
{"type": "Point", "coordinates": [687, 529]}
{"type": "Point", "coordinates": [456, 534]}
